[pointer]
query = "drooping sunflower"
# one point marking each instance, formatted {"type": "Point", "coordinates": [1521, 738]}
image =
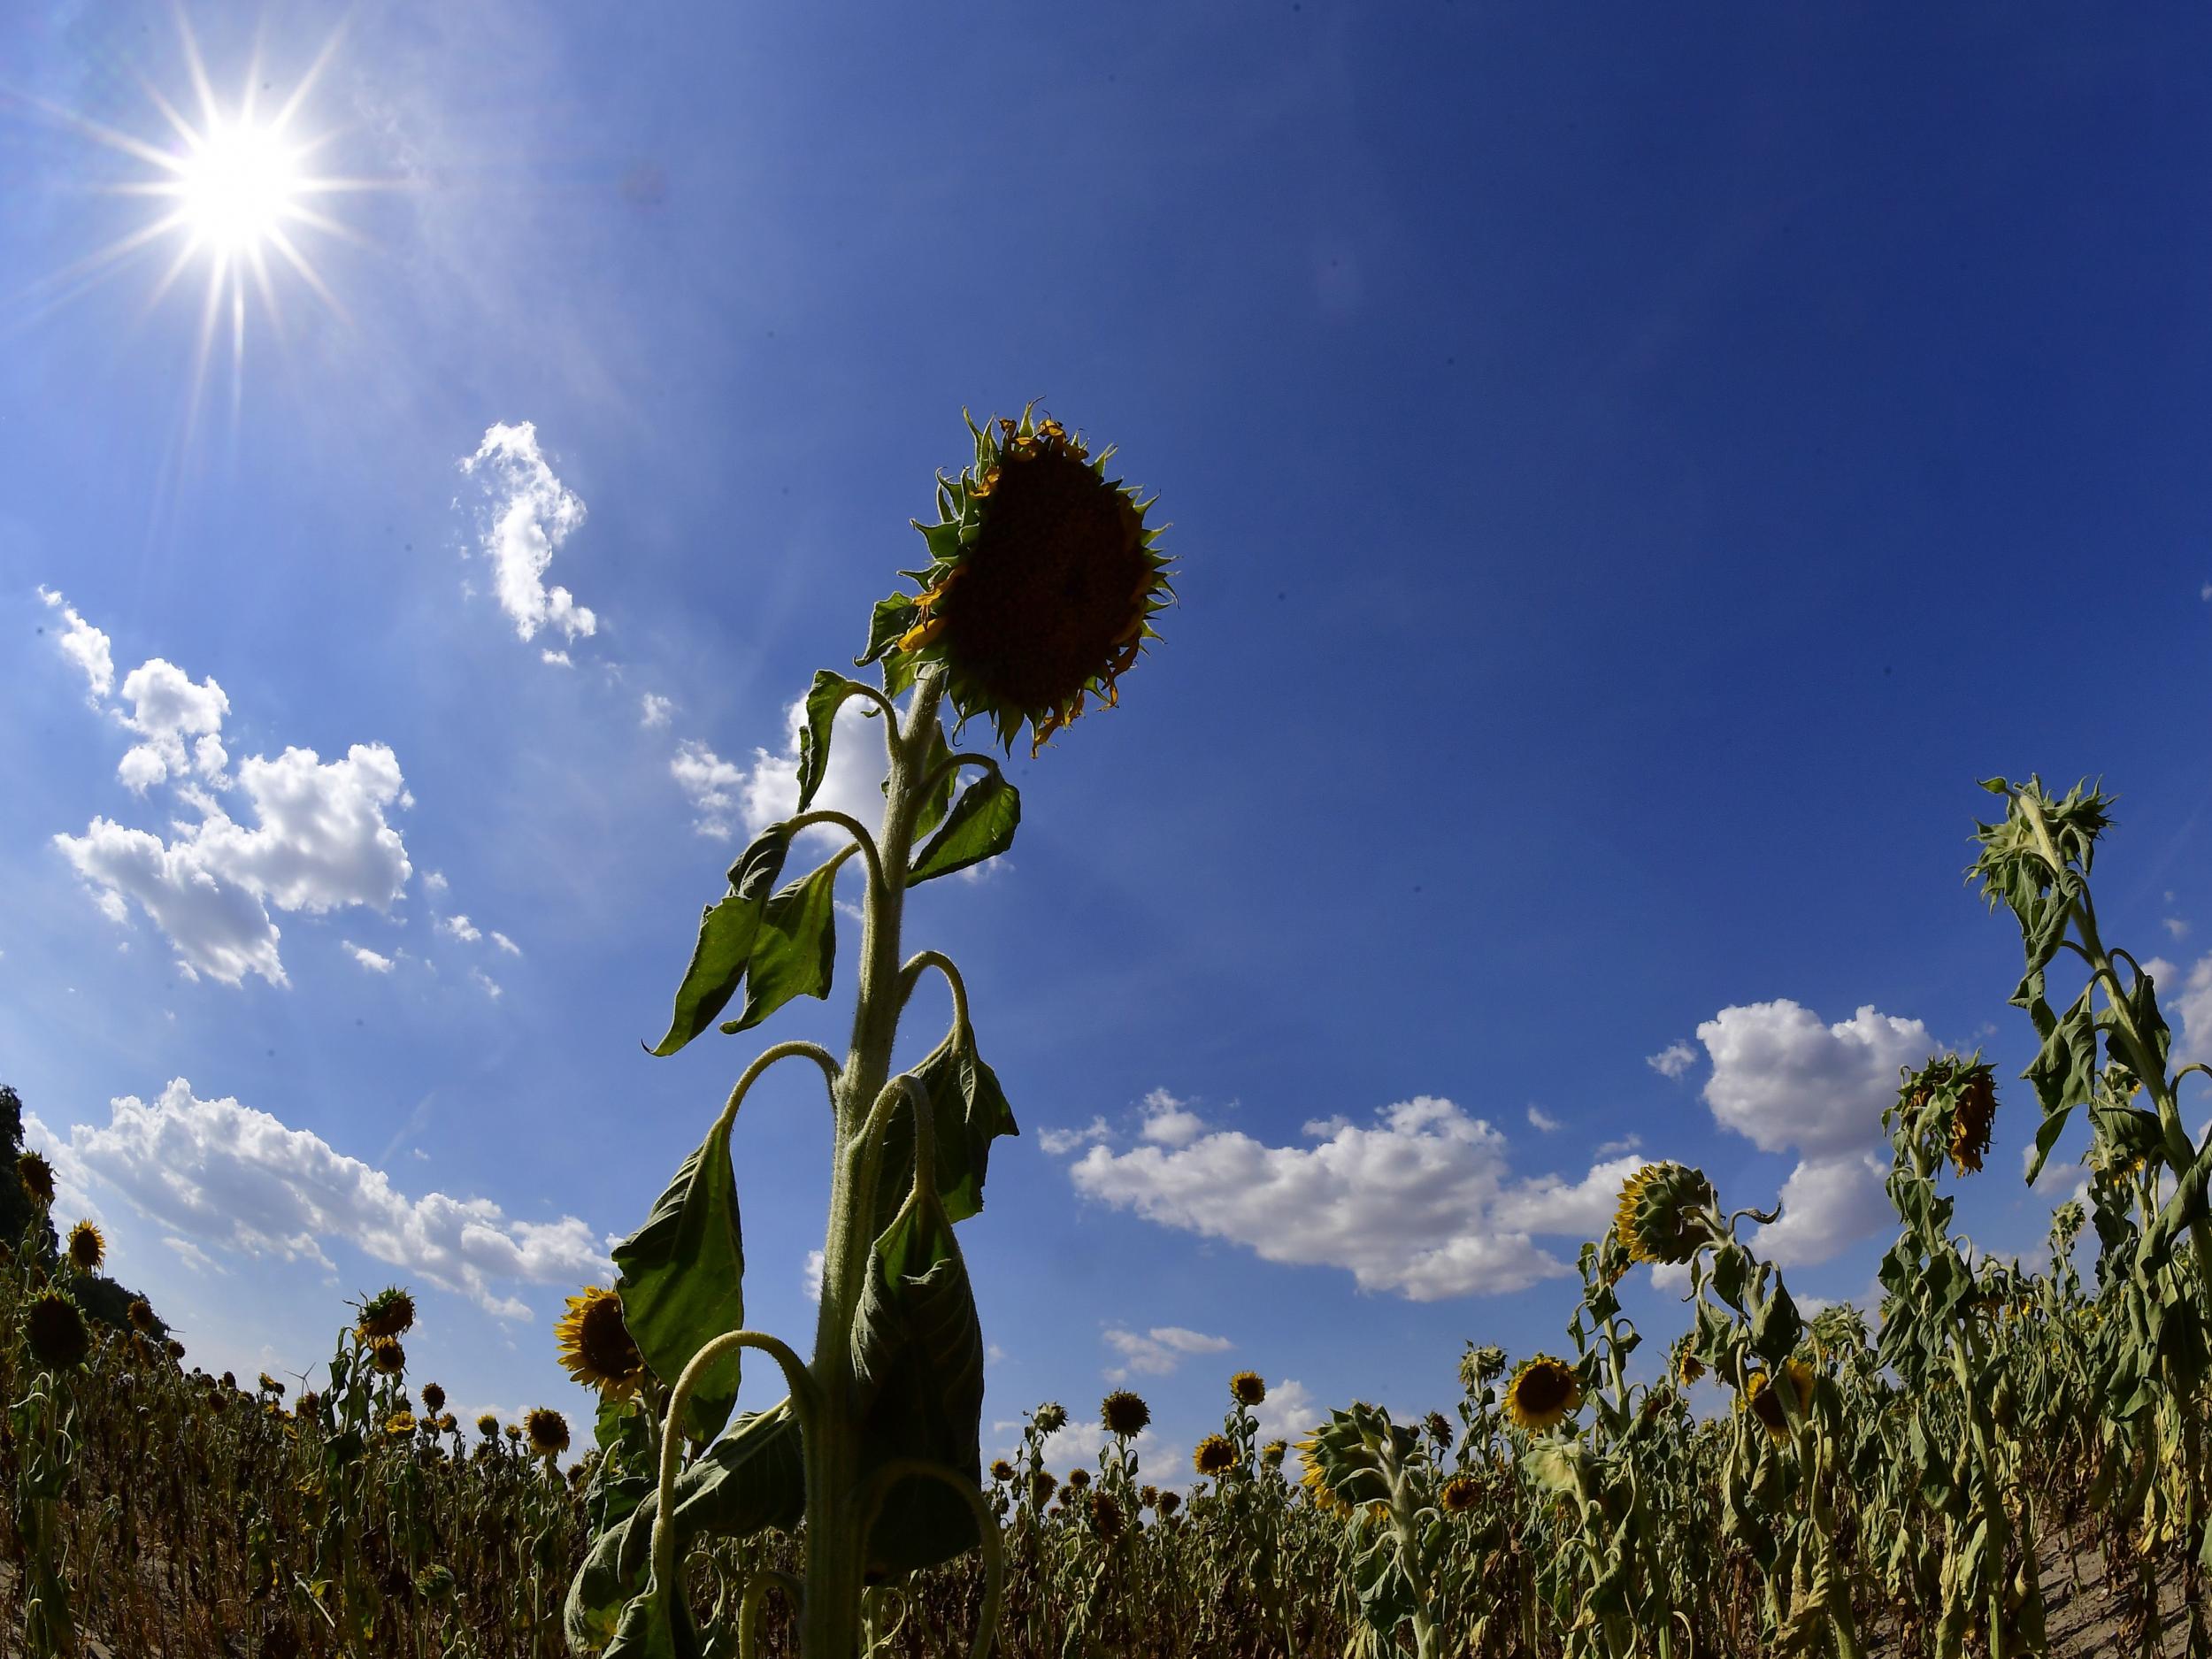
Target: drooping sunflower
{"type": "Point", "coordinates": [390, 1312]}
{"type": "Point", "coordinates": [57, 1333]}
{"type": "Point", "coordinates": [1273, 1453]}
{"type": "Point", "coordinates": [1169, 1501]}
{"type": "Point", "coordinates": [1247, 1388]}
{"type": "Point", "coordinates": [1002, 1472]}
{"type": "Point", "coordinates": [1043, 582]}
{"type": "Point", "coordinates": [1687, 1367]}
{"type": "Point", "coordinates": [1049, 1417]}
{"type": "Point", "coordinates": [1765, 1399]}
{"type": "Point", "coordinates": [1665, 1213]}
{"type": "Point", "coordinates": [37, 1176]}
{"type": "Point", "coordinates": [1460, 1494]}
{"type": "Point", "coordinates": [595, 1346]}
{"type": "Point", "coordinates": [1544, 1393]}
{"type": "Point", "coordinates": [1106, 1517]}
{"type": "Point", "coordinates": [548, 1431]}
{"type": "Point", "coordinates": [432, 1398]}
{"type": "Point", "coordinates": [1480, 1366]}
{"type": "Point", "coordinates": [1123, 1413]}
{"type": "Point", "coordinates": [1078, 1478]}
{"type": "Point", "coordinates": [1438, 1427]}
{"type": "Point", "coordinates": [86, 1248]}
{"type": "Point", "coordinates": [1043, 1485]}
{"type": "Point", "coordinates": [1973, 1114]}
{"type": "Point", "coordinates": [141, 1313]}
{"type": "Point", "coordinates": [1216, 1454]}
{"type": "Point", "coordinates": [388, 1356]}
{"type": "Point", "coordinates": [487, 1425]}
{"type": "Point", "coordinates": [269, 1385]}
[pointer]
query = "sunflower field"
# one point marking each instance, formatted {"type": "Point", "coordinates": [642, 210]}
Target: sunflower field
{"type": "Point", "coordinates": [1996, 1458]}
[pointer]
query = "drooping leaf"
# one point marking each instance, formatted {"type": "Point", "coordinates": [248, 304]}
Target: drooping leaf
{"type": "Point", "coordinates": [890, 620]}
{"type": "Point", "coordinates": [932, 811]}
{"type": "Point", "coordinates": [980, 825]}
{"type": "Point", "coordinates": [795, 949]}
{"type": "Point", "coordinates": [682, 1276]}
{"type": "Point", "coordinates": [917, 1378]}
{"type": "Point", "coordinates": [726, 932]}
{"type": "Point", "coordinates": [823, 699]}
{"type": "Point", "coordinates": [968, 1110]}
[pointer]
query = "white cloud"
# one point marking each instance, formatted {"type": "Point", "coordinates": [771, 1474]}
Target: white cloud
{"type": "Point", "coordinates": [505, 943]}
{"type": "Point", "coordinates": [1421, 1202]}
{"type": "Point", "coordinates": [165, 709]}
{"type": "Point", "coordinates": [1168, 1123]}
{"type": "Point", "coordinates": [2061, 1177]}
{"type": "Point", "coordinates": [1539, 1119]}
{"type": "Point", "coordinates": [368, 958]}
{"type": "Point", "coordinates": [556, 659]}
{"type": "Point", "coordinates": [1791, 1084]}
{"type": "Point", "coordinates": [811, 1275]}
{"type": "Point", "coordinates": [2205, 593]}
{"type": "Point", "coordinates": [2176, 927]}
{"type": "Point", "coordinates": [433, 881]}
{"type": "Point", "coordinates": [84, 645]}
{"type": "Point", "coordinates": [727, 796]}
{"type": "Point", "coordinates": [654, 710]}
{"type": "Point", "coordinates": [225, 1177]}
{"type": "Point", "coordinates": [529, 514]}
{"type": "Point", "coordinates": [1288, 1413]}
{"type": "Point", "coordinates": [1058, 1142]}
{"type": "Point", "coordinates": [490, 986]}
{"type": "Point", "coordinates": [1673, 1060]}
{"type": "Point", "coordinates": [1159, 1351]}
{"type": "Point", "coordinates": [320, 841]}
{"type": "Point", "coordinates": [2186, 1002]}
{"type": "Point", "coordinates": [461, 928]}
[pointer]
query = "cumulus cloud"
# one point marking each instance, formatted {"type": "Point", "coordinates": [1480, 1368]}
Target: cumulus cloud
{"type": "Point", "coordinates": [1673, 1060]}
{"type": "Point", "coordinates": [810, 1274]}
{"type": "Point", "coordinates": [1422, 1200]}
{"type": "Point", "coordinates": [1540, 1120]}
{"type": "Point", "coordinates": [166, 708]}
{"type": "Point", "coordinates": [320, 842]}
{"type": "Point", "coordinates": [654, 710]}
{"type": "Point", "coordinates": [1790, 1083]}
{"type": "Point", "coordinates": [228, 1177]}
{"type": "Point", "coordinates": [1060, 1142]}
{"type": "Point", "coordinates": [461, 928]}
{"type": "Point", "coordinates": [2185, 999]}
{"type": "Point", "coordinates": [528, 514]}
{"type": "Point", "coordinates": [1168, 1123]}
{"type": "Point", "coordinates": [727, 798]}
{"type": "Point", "coordinates": [1159, 1351]}
{"type": "Point", "coordinates": [368, 958]}
{"type": "Point", "coordinates": [84, 645]}
{"type": "Point", "coordinates": [1288, 1413]}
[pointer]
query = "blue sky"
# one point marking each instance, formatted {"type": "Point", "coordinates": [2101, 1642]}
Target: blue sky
{"type": "Point", "coordinates": [1632, 473]}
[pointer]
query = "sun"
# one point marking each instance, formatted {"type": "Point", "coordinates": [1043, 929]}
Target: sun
{"type": "Point", "coordinates": [238, 186]}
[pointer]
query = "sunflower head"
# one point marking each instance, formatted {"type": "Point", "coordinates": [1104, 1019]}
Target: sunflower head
{"type": "Point", "coordinates": [1106, 1519]}
{"type": "Point", "coordinates": [86, 1248]}
{"type": "Point", "coordinates": [59, 1337]}
{"type": "Point", "coordinates": [1665, 1213]}
{"type": "Point", "coordinates": [1078, 1478]}
{"type": "Point", "coordinates": [1002, 1472]}
{"type": "Point", "coordinates": [1687, 1367]}
{"type": "Point", "coordinates": [1480, 1367]}
{"type": "Point", "coordinates": [432, 1398]}
{"type": "Point", "coordinates": [400, 1425]}
{"type": "Point", "coordinates": [488, 1424]}
{"type": "Point", "coordinates": [1972, 1112]}
{"type": "Point", "coordinates": [1171, 1501]}
{"type": "Point", "coordinates": [1438, 1427]}
{"type": "Point", "coordinates": [548, 1431]}
{"type": "Point", "coordinates": [307, 1404]}
{"type": "Point", "coordinates": [1043, 1485]}
{"type": "Point", "coordinates": [1544, 1393]}
{"type": "Point", "coordinates": [1765, 1399]}
{"type": "Point", "coordinates": [1946, 1109]}
{"type": "Point", "coordinates": [1049, 1417]}
{"type": "Point", "coordinates": [388, 1357]}
{"type": "Point", "coordinates": [1123, 1413]}
{"type": "Point", "coordinates": [141, 1313]}
{"type": "Point", "coordinates": [1216, 1454]}
{"type": "Point", "coordinates": [269, 1385]}
{"type": "Point", "coordinates": [1042, 583]}
{"type": "Point", "coordinates": [1459, 1495]}
{"type": "Point", "coordinates": [1247, 1388]}
{"type": "Point", "coordinates": [1273, 1453]}
{"type": "Point", "coordinates": [37, 1176]}
{"type": "Point", "coordinates": [390, 1312]}
{"type": "Point", "coordinates": [596, 1345]}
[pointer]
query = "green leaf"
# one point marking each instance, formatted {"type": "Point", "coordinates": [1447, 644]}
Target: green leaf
{"type": "Point", "coordinates": [890, 620]}
{"type": "Point", "coordinates": [2064, 1069]}
{"type": "Point", "coordinates": [823, 699]}
{"type": "Point", "coordinates": [795, 949]}
{"type": "Point", "coordinates": [968, 1110]}
{"type": "Point", "coordinates": [2187, 1206]}
{"type": "Point", "coordinates": [980, 825]}
{"type": "Point", "coordinates": [918, 1382]}
{"type": "Point", "coordinates": [682, 1276]}
{"type": "Point", "coordinates": [2046, 1135]}
{"type": "Point", "coordinates": [931, 810]}
{"type": "Point", "coordinates": [1776, 1326]}
{"type": "Point", "coordinates": [726, 932]}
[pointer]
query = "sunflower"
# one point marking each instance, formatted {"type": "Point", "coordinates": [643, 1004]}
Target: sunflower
{"type": "Point", "coordinates": [1438, 1427]}
{"type": "Point", "coordinates": [1664, 1213]}
{"type": "Point", "coordinates": [1971, 1115]}
{"type": "Point", "coordinates": [400, 1425]}
{"type": "Point", "coordinates": [57, 1333]}
{"type": "Point", "coordinates": [1247, 1388]}
{"type": "Point", "coordinates": [1169, 1501]}
{"type": "Point", "coordinates": [596, 1345]}
{"type": "Point", "coordinates": [390, 1312]}
{"type": "Point", "coordinates": [1544, 1392]}
{"type": "Point", "coordinates": [1687, 1367]}
{"type": "Point", "coordinates": [1050, 1417]}
{"type": "Point", "coordinates": [1123, 1413]}
{"type": "Point", "coordinates": [1002, 1472]}
{"type": "Point", "coordinates": [548, 1431]}
{"type": "Point", "coordinates": [1040, 587]}
{"type": "Point", "coordinates": [85, 1248]}
{"type": "Point", "coordinates": [271, 1385]}
{"type": "Point", "coordinates": [1043, 1485]}
{"type": "Point", "coordinates": [37, 1176]}
{"type": "Point", "coordinates": [141, 1313]}
{"type": "Point", "coordinates": [387, 1357]}
{"type": "Point", "coordinates": [1460, 1494]}
{"type": "Point", "coordinates": [487, 1425]}
{"type": "Point", "coordinates": [1273, 1453]}
{"type": "Point", "coordinates": [1479, 1366]}
{"type": "Point", "coordinates": [1765, 1401]}
{"type": "Point", "coordinates": [1106, 1517]}
{"type": "Point", "coordinates": [1217, 1455]}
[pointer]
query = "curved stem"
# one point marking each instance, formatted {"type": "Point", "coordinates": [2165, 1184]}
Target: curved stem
{"type": "Point", "coordinates": [878, 1487]}
{"type": "Point", "coordinates": [804, 1398]}
{"type": "Point", "coordinates": [813, 1051]}
{"type": "Point", "coordinates": [852, 827]}
{"type": "Point", "coordinates": [911, 976]}
{"type": "Point", "coordinates": [748, 1606]}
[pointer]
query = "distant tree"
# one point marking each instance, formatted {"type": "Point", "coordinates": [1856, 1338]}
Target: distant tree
{"type": "Point", "coordinates": [100, 1296]}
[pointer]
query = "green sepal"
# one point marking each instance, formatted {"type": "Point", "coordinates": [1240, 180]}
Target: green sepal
{"type": "Point", "coordinates": [824, 698]}
{"type": "Point", "coordinates": [683, 1277]}
{"type": "Point", "coordinates": [887, 624]}
{"type": "Point", "coordinates": [980, 825]}
{"type": "Point", "coordinates": [796, 949]}
{"type": "Point", "coordinates": [726, 932]}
